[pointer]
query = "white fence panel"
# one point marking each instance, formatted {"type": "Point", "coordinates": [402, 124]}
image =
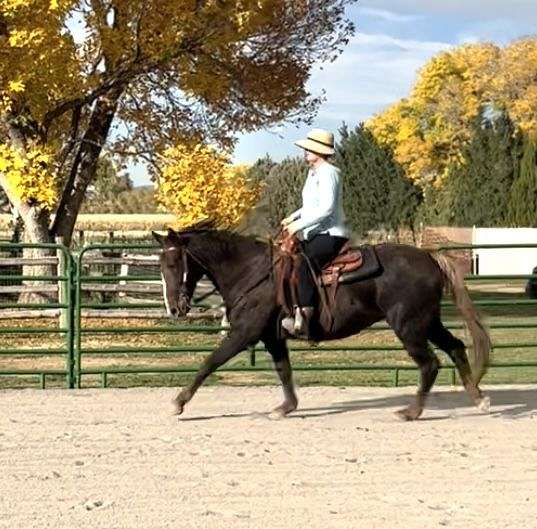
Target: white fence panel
{"type": "Point", "coordinates": [519, 261]}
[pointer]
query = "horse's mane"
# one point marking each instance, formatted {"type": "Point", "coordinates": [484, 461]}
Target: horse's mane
{"type": "Point", "coordinates": [221, 242]}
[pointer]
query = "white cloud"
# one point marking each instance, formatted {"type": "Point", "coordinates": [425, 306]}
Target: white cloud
{"type": "Point", "coordinates": [498, 31]}
{"type": "Point", "coordinates": [374, 71]}
{"type": "Point", "coordinates": [520, 10]}
{"type": "Point", "coordinates": [388, 16]}
{"type": "Point", "coordinates": [386, 41]}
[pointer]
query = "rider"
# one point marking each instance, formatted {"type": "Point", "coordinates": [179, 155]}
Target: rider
{"type": "Point", "coordinates": [319, 224]}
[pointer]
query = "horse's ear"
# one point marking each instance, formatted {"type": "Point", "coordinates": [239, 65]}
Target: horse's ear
{"type": "Point", "coordinates": [159, 238]}
{"type": "Point", "coordinates": [173, 236]}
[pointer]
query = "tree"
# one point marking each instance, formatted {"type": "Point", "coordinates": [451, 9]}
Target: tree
{"type": "Point", "coordinates": [377, 194]}
{"type": "Point", "coordinates": [4, 202]}
{"type": "Point", "coordinates": [522, 211]}
{"type": "Point", "coordinates": [429, 130]}
{"type": "Point", "coordinates": [136, 200]}
{"type": "Point", "coordinates": [158, 72]}
{"type": "Point", "coordinates": [257, 220]}
{"type": "Point", "coordinates": [282, 192]}
{"type": "Point", "coordinates": [259, 172]}
{"type": "Point", "coordinates": [477, 190]}
{"type": "Point", "coordinates": [104, 195]}
{"type": "Point", "coordinates": [196, 183]}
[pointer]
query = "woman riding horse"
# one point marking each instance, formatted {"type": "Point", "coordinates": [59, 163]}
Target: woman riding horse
{"type": "Point", "coordinates": [319, 224]}
{"type": "Point", "coordinates": [407, 293]}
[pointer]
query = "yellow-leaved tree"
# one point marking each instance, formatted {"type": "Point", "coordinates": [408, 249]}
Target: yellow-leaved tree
{"type": "Point", "coordinates": [428, 130]}
{"type": "Point", "coordinates": [137, 77]}
{"type": "Point", "coordinates": [197, 182]}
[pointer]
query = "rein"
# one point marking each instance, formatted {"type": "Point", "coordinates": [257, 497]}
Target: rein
{"type": "Point", "coordinates": [285, 268]}
{"type": "Point", "coordinates": [183, 288]}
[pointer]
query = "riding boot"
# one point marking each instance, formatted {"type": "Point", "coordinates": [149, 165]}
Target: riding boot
{"type": "Point", "coordinates": [288, 324]}
{"type": "Point", "coordinates": [303, 317]}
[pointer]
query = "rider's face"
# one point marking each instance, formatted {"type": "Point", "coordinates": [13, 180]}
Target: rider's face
{"type": "Point", "coordinates": [312, 158]}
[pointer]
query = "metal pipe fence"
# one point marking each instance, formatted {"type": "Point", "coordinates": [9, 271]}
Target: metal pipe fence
{"type": "Point", "coordinates": [76, 302]}
{"type": "Point", "coordinates": [65, 322]}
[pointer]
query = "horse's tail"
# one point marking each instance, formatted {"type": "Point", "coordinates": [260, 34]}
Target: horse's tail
{"type": "Point", "coordinates": [482, 345]}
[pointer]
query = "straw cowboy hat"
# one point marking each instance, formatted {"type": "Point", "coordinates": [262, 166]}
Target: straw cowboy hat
{"type": "Point", "coordinates": [318, 141]}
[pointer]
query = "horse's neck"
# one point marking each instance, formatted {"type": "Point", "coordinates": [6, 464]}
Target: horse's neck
{"type": "Point", "coordinates": [232, 270]}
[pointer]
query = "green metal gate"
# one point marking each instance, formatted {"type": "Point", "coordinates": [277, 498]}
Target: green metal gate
{"type": "Point", "coordinates": [74, 277]}
{"type": "Point", "coordinates": [65, 304]}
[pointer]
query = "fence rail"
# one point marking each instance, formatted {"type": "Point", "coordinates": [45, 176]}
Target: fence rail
{"type": "Point", "coordinates": [107, 270]}
{"type": "Point", "coordinates": [64, 291]}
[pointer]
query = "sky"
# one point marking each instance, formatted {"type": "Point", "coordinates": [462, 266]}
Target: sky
{"type": "Point", "coordinates": [393, 39]}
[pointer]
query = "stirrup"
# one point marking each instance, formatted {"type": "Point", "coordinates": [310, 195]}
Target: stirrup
{"type": "Point", "coordinates": [288, 325]}
{"type": "Point", "coordinates": [302, 322]}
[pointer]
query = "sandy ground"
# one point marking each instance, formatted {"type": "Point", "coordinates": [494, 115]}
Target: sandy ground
{"type": "Point", "coordinates": [118, 459]}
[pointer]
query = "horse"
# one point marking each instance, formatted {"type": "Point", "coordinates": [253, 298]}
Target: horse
{"type": "Point", "coordinates": [406, 292]}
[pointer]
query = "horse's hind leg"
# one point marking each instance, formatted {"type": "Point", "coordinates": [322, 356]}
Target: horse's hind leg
{"type": "Point", "coordinates": [280, 355]}
{"type": "Point", "coordinates": [428, 365]}
{"type": "Point", "coordinates": [456, 350]}
{"type": "Point", "coordinates": [412, 331]}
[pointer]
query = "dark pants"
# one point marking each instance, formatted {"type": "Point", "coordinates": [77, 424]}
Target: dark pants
{"type": "Point", "coordinates": [320, 250]}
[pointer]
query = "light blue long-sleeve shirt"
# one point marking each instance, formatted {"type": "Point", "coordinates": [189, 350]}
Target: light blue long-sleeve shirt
{"type": "Point", "coordinates": [322, 204]}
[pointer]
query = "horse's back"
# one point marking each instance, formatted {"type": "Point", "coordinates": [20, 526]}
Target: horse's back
{"type": "Point", "coordinates": [408, 280]}
{"type": "Point", "coordinates": [409, 275]}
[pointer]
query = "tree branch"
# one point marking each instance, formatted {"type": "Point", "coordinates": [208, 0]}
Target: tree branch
{"type": "Point", "coordinates": [84, 165]}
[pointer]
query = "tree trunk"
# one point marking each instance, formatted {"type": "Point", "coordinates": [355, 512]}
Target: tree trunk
{"type": "Point", "coordinates": [36, 223]}
{"type": "Point", "coordinates": [84, 166]}
{"type": "Point", "coordinates": [37, 220]}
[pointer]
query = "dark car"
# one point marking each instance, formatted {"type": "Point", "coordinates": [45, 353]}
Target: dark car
{"type": "Point", "coordinates": [531, 287]}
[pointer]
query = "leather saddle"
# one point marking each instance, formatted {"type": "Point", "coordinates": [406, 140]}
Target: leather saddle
{"type": "Point", "coordinates": [350, 265]}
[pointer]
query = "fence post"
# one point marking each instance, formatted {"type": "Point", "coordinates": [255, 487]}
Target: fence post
{"type": "Point", "coordinates": [65, 297]}
{"type": "Point", "coordinates": [63, 286]}
{"type": "Point", "coordinates": [77, 317]}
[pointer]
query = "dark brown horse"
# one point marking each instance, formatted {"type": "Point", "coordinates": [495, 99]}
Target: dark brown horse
{"type": "Point", "coordinates": [406, 293]}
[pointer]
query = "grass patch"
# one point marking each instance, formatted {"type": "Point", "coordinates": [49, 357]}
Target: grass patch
{"type": "Point", "coordinates": [314, 357]}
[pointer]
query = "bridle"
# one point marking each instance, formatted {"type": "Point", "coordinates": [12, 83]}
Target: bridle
{"type": "Point", "coordinates": [183, 289]}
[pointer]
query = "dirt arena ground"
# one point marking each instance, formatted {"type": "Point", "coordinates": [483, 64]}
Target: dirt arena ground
{"type": "Point", "coordinates": [118, 459]}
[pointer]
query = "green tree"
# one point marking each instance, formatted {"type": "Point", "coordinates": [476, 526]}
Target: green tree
{"type": "Point", "coordinates": [477, 191]}
{"type": "Point", "coordinates": [109, 184]}
{"type": "Point", "coordinates": [137, 200]}
{"type": "Point", "coordinates": [522, 210]}
{"type": "Point", "coordinates": [256, 221]}
{"type": "Point", "coordinates": [259, 172]}
{"type": "Point", "coordinates": [377, 195]}
{"type": "Point", "coordinates": [283, 191]}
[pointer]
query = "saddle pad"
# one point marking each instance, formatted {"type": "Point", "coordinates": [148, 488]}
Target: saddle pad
{"type": "Point", "coordinates": [350, 256]}
{"type": "Point", "coordinates": [370, 265]}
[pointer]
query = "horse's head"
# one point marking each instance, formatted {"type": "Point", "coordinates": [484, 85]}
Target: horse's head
{"type": "Point", "coordinates": [180, 273]}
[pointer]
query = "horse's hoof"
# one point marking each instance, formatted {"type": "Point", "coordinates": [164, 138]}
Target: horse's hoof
{"type": "Point", "coordinates": [281, 412]}
{"type": "Point", "coordinates": [483, 405]}
{"type": "Point", "coordinates": [408, 414]}
{"type": "Point", "coordinates": [276, 415]}
{"type": "Point", "coordinates": [178, 407]}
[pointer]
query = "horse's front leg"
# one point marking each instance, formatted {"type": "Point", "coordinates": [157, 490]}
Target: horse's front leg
{"type": "Point", "coordinates": [233, 344]}
{"type": "Point", "coordinates": [280, 355]}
